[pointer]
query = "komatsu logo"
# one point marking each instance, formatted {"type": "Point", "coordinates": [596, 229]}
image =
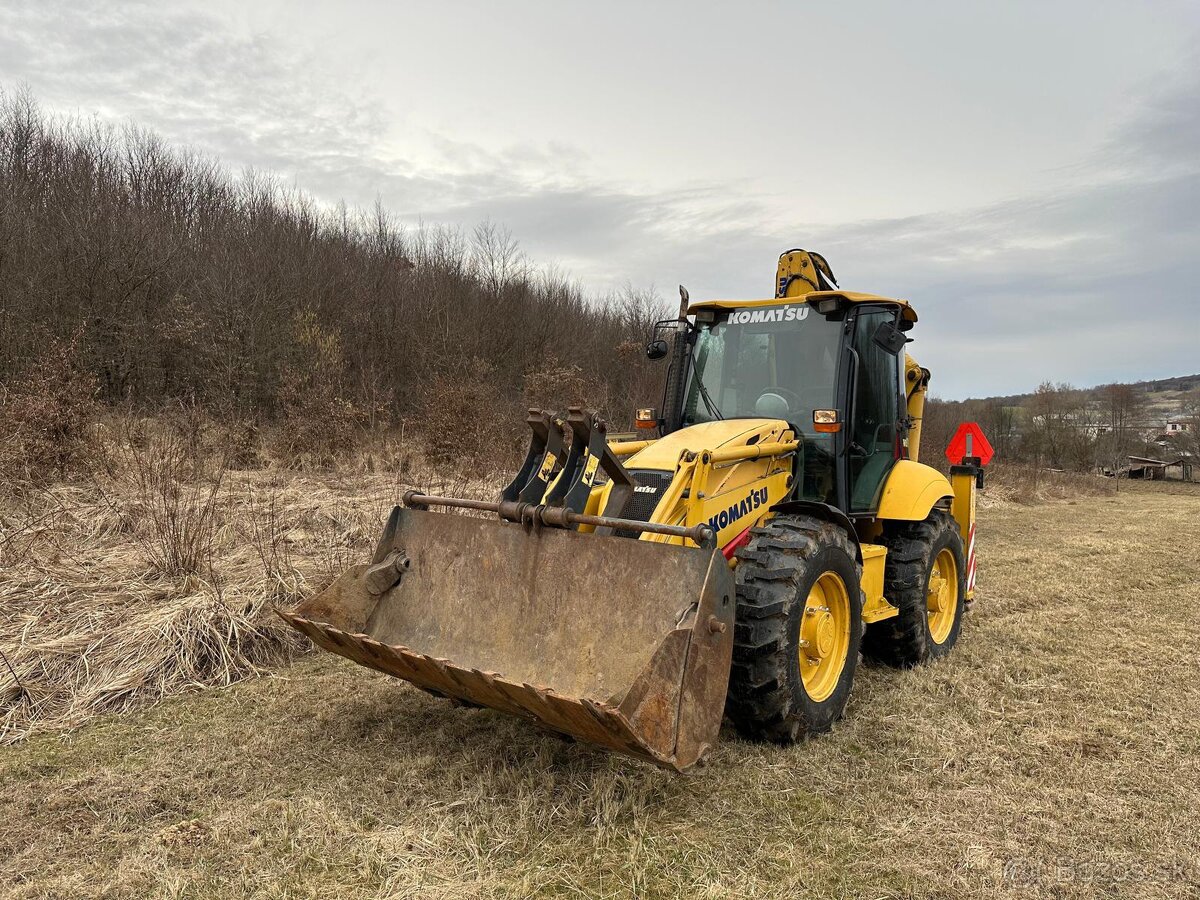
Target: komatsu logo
{"type": "Point", "coordinates": [740, 510]}
{"type": "Point", "coordinates": [773, 314]}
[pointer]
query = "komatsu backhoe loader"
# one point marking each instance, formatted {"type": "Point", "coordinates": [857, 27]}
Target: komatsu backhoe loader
{"type": "Point", "coordinates": [769, 523]}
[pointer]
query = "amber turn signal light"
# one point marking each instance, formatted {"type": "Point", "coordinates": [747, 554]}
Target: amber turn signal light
{"type": "Point", "coordinates": [825, 421]}
{"type": "Point", "coordinates": [646, 418]}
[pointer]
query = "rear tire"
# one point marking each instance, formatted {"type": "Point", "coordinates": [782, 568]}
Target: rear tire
{"type": "Point", "coordinates": [925, 576]}
{"type": "Point", "coordinates": [799, 629]}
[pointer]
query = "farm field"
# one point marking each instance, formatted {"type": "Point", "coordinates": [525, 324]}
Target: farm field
{"type": "Point", "coordinates": [1056, 753]}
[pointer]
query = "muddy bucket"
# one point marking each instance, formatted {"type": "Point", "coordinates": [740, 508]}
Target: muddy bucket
{"type": "Point", "coordinates": [621, 642]}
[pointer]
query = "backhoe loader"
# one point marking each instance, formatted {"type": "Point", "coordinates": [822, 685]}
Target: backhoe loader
{"type": "Point", "coordinates": [765, 526]}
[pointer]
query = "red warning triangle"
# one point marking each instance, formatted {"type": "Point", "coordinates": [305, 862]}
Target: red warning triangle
{"type": "Point", "coordinates": [969, 441]}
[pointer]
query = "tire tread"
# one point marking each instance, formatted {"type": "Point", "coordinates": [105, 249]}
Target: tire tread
{"type": "Point", "coordinates": [770, 572]}
{"type": "Point", "coordinates": [903, 640]}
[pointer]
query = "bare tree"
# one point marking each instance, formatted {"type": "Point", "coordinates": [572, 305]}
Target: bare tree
{"type": "Point", "coordinates": [1187, 442]}
{"type": "Point", "coordinates": [497, 255]}
{"type": "Point", "coordinates": [1125, 409]}
{"type": "Point", "coordinates": [1055, 436]}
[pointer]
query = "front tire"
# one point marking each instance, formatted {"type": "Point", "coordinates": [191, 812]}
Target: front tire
{"type": "Point", "coordinates": [799, 629]}
{"type": "Point", "coordinates": [925, 576]}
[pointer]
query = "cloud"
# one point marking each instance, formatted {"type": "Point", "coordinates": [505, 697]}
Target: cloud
{"type": "Point", "coordinates": [186, 75]}
{"type": "Point", "coordinates": [1087, 282]}
{"type": "Point", "coordinates": [1161, 129]}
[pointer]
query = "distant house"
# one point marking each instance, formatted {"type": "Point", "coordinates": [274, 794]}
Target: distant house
{"type": "Point", "coordinates": [1077, 423]}
{"type": "Point", "coordinates": [1142, 467]}
{"type": "Point", "coordinates": [1176, 428]}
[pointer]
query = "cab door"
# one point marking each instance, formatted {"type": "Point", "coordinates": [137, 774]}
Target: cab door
{"type": "Point", "coordinates": [872, 445]}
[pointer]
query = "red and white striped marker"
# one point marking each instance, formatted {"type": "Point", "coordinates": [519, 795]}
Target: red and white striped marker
{"type": "Point", "coordinates": [971, 559]}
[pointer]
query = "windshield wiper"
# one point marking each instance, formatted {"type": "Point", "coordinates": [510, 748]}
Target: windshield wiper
{"type": "Point", "coordinates": [708, 401]}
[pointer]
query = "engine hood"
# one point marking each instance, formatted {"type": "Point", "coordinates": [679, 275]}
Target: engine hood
{"type": "Point", "coordinates": [663, 454]}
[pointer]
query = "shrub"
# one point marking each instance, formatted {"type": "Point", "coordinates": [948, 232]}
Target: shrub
{"type": "Point", "coordinates": [556, 385]}
{"type": "Point", "coordinates": [318, 421]}
{"type": "Point", "coordinates": [47, 417]}
{"type": "Point", "coordinates": [172, 514]}
{"type": "Point", "coordinates": [466, 422]}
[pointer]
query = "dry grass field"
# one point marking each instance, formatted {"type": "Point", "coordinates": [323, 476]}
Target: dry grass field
{"type": "Point", "coordinates": [1055, 754]}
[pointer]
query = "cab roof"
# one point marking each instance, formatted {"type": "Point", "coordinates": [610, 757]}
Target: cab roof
{"type": "Point", "coordinates": [909, 314]}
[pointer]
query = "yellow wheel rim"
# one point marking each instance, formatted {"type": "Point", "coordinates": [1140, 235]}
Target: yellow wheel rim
{"type": "Point", "coordinates": [942, 599]}
{"type": "Point", "coordinates": [824, 636]}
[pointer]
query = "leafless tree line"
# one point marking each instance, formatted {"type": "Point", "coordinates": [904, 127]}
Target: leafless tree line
{"type": "Point", "coordinates": [178, 281]}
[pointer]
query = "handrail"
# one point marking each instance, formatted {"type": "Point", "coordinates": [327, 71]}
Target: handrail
{"type": "Point", "coordinates": [753, 451]}
{"type": "Point", "coordinates": [628, 448]}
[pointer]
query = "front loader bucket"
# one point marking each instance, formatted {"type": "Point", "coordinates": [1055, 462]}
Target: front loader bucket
{"type": "Point", "coordinates": [620, 642]}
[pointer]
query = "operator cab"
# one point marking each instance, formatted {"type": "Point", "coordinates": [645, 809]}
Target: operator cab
{"type": "Point", "coordinates": [828, 355]}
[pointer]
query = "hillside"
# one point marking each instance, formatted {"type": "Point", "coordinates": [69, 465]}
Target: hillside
{"type": "Point", "coordinates": [1162, 397]}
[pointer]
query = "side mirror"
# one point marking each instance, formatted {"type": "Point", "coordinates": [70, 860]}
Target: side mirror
{"type": "Point", "coordinates": [889, 337]}
{"type": "Point", "coordinates": [657, 350]}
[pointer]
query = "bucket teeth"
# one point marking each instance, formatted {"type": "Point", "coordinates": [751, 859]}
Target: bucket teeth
{"type": "Point", "coordinates": [597, 723]}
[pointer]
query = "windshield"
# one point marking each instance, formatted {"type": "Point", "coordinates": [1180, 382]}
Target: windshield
{"type": "Point", "coordinates": [777, 362]}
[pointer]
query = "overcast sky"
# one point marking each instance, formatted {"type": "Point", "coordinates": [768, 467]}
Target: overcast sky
{"type": "Point", "coordinates": [1026, 173]}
